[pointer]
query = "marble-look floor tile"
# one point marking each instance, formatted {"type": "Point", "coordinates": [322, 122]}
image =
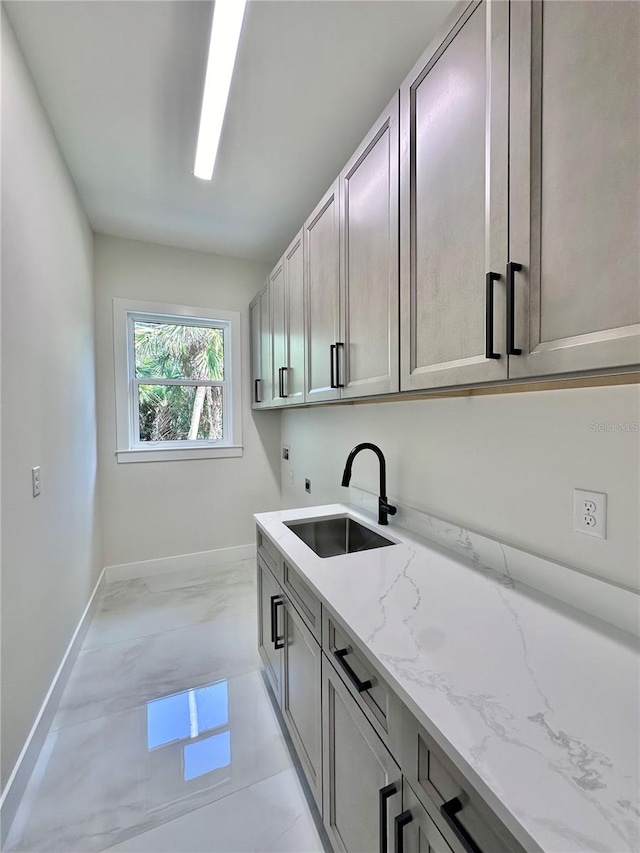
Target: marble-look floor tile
{"type": "Point", "coordinates": [102, 781]}
{"type": "Point", "coordinates": [271, 816]}
{"type": "Point", "coordinates": [120, 676]}
{"type": "Point", "coordinates": [132, 614]}
{"type": "Point", "coordinates": [231, 573]}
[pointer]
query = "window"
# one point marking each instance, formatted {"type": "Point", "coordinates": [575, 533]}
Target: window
{"type": "Point", "coordinates": [177, 378]}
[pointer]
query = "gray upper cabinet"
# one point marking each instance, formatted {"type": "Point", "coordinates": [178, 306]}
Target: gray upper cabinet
{"type": "Point", "coordinates": [369, 221]}
{"type": "Point", "coordinates": [487, 228]}
{"type": "Point", "coordinates": [322, 298]}
{"type": "Point", "coordinates": [260, 326]}
{"type": "Point", "coordinates": [575, 185]}
{"type": "Point", "coordinates": [277, 297]}
{"type": "Point", "coordinates": [454, 204]}
{"type": "Point", "coordinates": [293, 378]}
{"type": "Point", "coordinates": [256, 359]}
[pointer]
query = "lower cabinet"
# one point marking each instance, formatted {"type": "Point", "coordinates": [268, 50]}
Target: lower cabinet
{"type": "Point", "coordinates": [270, 640]}
{"type": "Point", "coordinates": [381, 784]}
{"type": "Point", "coordinates": [301, 705]}
{"type": "Point", "coordinates": [292, 661]}
{"type": "Point", "coordinates": [362, 784]}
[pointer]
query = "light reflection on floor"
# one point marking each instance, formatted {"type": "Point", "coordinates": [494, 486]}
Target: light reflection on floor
{"type": "Point", "coordinates": [186, 716]}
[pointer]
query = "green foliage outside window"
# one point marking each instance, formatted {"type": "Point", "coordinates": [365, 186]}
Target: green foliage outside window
{"type": "Point", "coordinates": [179, 412]}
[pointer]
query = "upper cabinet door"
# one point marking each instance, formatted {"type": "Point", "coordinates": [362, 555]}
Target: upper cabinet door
{"type": "Point", "coordinates": [369, 358]}
{"type": "Point", "coordinates": [278, 334]}
{"type": "Point", "coordinates": [256, 363]}
{"type": "Point", "coordinates": [294, 288]}
{"type": "Point", "coordinates": [322, 260]}
{"type": "Point", "coordinates": [260, 349]}
{"type": "Point", "coordinates": [575, 185]}
{"type": "Point", "coordinates": [454, 188]}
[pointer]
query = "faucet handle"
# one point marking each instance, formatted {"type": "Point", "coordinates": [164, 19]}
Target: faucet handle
{"type": "Point", "coordinates": [384, 509]}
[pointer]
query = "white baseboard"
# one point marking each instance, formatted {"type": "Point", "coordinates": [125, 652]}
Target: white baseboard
{"type": "Point", "coordinates": [181, 562]}
{"type": "Point", "coordinates": [17, 782]}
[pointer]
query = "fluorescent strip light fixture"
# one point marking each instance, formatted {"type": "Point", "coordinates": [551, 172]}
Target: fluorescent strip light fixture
{"type": "Point", "coordinates": [223, 47]}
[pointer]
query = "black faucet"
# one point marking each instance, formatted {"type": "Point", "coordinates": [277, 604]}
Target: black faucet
{"type": "Point", "coordinates": [384, 508]}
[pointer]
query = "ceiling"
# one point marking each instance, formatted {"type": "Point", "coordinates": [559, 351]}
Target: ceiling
{"type": "Point", "coordinates": [122, 82]}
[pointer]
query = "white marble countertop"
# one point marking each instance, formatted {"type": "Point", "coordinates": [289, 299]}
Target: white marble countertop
{"type": "Point", "coordinates": [536, 702]}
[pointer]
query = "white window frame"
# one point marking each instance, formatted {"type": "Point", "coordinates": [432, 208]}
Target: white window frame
{"type": "Point", "coordinates": [129, 448]}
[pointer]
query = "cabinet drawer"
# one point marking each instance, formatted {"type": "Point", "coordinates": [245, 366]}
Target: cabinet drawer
{"type": "Point", "coordinates": [461, 815]}
{"type": "Point", "coordinates": [420, 834]}
{"type": "Point", "coordinates": [380, 705]}
{"type": "Point", "coordinates": [269, 553]}
{"type": "Point", "coordinates": [304, 600]}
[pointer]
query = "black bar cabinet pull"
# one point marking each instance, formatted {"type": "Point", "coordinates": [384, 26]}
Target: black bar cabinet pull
{"type": "Point", "coordinates": [339, 379]}
{"type": "Point", "coordinates": [332, 352]}
{"type": "Point", "coordinates": [449, 810]}
{"type": "Point", "coordinates": [512, 268]}
{"type": "Point", "coordinates": [281, 371]}
{"type": "Point", "coordinates": [278, 642]}
{"type": "Point", "coordinates": [256, 391]}
{"type": "Point", "coordinates": [385, 793]}
{"type": "Point", "coordinates": [489, 279]}
{"type": "Point", "coordinates": [398, 830]}
{"type": "Point", "coordinates": [360, 686]}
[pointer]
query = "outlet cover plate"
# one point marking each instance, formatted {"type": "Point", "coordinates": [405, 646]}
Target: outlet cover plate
{"type": "Point", "coordinates": [590, 513]}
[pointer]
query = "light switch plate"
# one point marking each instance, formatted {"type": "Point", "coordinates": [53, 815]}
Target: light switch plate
{"type": "Point", "coordinates": [590, 513]}
{"type": "Point", "coordinates": [35, 481]}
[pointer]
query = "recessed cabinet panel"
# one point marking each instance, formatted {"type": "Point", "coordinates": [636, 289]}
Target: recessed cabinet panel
{"type": "Point", "coordinates": [294, 285]}
{"type": "Point", "coordinates": [278, 334]}
{"type": "Point", "coordinates": [256, 361]}
{"type": "Point", "coordinates": [301, 704]}
{"type": "Point", "coordinates": [370, 274]}
{"type": "Point", "coordinates": [265, 346]}
{"type": "Point", "coordinates": [270, 627]}
{"type": "Point", "coordinates": [356, 766]}
{"type": "Point", "coordinates": [322, 259]}
{"type": "Point", "coordinates": [259, 322]}
{"type": "Point", "coordinates": [575, 185]}
{"type": "Point", "coordinates": [454, 204]}
{"type": "Point", "coordinates": [420, 834]}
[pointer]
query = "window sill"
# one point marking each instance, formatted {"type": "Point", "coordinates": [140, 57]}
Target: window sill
{"type": "Point", "coordinates": [179, 454]}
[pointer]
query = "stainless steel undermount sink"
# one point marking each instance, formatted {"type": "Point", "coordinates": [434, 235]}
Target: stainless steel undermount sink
{"type": "Point", "coordinates": [330, 537]}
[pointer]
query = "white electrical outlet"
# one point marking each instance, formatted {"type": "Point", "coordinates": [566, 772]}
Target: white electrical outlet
{"type": "Point", "coordinates": [35, 481]}
{"type": "Point", "coordinates": [590, 513]}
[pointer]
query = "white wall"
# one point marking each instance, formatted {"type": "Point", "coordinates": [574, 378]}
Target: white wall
{"type": "Point", "coordinates": [162, 509]}
{"type": "Point", "coordinates": [50, 544]}
{"type": "Point", "coordinates": [504, 465]}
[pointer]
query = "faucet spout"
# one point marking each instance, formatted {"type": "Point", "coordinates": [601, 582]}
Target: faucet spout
{"type": "Point", "coordinates": [384, 507]}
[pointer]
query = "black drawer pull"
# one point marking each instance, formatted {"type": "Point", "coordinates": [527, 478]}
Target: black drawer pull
{"type": "Point", "coordinates": [512, 349]}
{"type": "Point", "coordinates": [278, 642]}
{"type": "Point", "coordinates": [360, 686]}
{"type": "Point", "coordinates": [398, 830]}
{"type": "Point", "coordinates": [489, 279]}
{"type": "Point", "coordinates": [257, 398]}
{"type": "Point", "coordinates": [339, 379]}
{"type": "Point", "coordinates": [449, 810]}
{"type": "Point", "coordinates": [332, 356]}
{"type": "Point", "coordinates": [385, 793]}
